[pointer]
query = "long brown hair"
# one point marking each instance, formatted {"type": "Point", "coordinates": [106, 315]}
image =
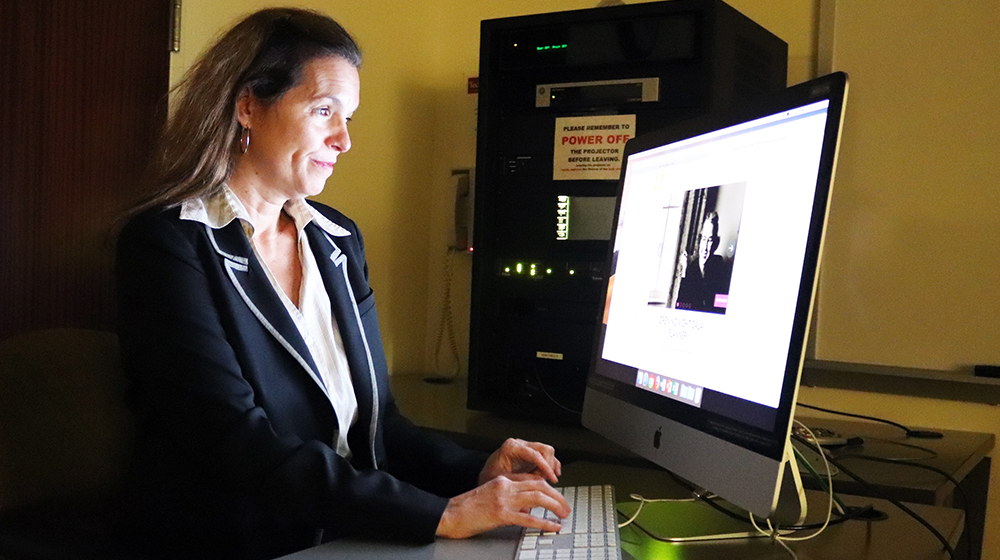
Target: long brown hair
{"type": "Point", "coordinates": [265, 54]}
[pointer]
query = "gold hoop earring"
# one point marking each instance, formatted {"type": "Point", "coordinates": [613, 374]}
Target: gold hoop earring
{"type": "Point", "coordinates": [245, 140]}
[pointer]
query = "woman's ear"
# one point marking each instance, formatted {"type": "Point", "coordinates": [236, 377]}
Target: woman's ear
{"type": "Point", "coordinates": [245, 105]}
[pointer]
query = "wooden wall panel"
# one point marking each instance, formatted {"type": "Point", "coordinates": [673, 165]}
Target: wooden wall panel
{"type": "Point", "coordinates": [82, 91]}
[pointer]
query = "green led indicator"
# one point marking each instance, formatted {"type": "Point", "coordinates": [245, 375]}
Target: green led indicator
{"type": "Point", "coordinates": [572, 272]}
{"type": "Point", "coordinates": [507, 270]}
{"type": "Point", "coordinates": [548, 271]}
{"type": "Point", "coordinates": [520, 268]}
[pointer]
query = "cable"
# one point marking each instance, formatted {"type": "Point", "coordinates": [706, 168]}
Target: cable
{"type": "Point", "coordinates": [837, 502]}
{"type": "Point", "coordinates": [829, 511]}
{"type": "Point", "coordinates": [852, 513]}
{"type": "Point", "coordinates": [877, 492]}
{"type": "Point", "coordinates": [931, 454]}
{"type": "Point", "coordinates": [775, 536]}
{"type": "Point", "coordinates": [708, 499]}
{"type": "Point", "coordinates": [787, 548]}
{"type": "Point", "coordinates": [958, 488]}
{"type": "Point", "coordinates": [541, 385]}
{"type": "Point", "coordinates": [446, 324]}
{"type": "Point", "coordinates": [643, 501]}
{"type": "Point", "coordinates": [909, 463]}
{"type": "Point", "coordinates": [919, 434]}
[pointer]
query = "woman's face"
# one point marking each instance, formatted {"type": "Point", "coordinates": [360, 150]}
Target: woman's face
{"type": "Point", "coordinates": [295, 142]}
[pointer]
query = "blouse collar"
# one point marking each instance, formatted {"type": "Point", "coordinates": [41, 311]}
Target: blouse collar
{"type": "Point", "coordinates": [218, 210]}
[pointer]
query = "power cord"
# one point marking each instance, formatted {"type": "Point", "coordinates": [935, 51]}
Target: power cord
{"type": "Point", "coordinates": [918, 434]}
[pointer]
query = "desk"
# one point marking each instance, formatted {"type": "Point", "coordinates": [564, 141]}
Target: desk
{"type": "Point", "coordinates": [442, 408]}
{"type": "Point", "coordinates": [897, 537]}
{"type": "Point", "coordinates": [961, 454]}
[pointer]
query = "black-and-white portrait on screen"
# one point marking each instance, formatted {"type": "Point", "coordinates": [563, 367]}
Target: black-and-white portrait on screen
{"type": "Point", "coordinates": [698, 249]}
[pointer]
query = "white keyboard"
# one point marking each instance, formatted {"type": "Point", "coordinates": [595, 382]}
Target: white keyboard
{"type": "Point", "coordinates": [589, 533]}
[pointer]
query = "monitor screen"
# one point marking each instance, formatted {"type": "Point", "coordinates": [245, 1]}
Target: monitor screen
{"type": "Point", "coordinates": [719, 226]}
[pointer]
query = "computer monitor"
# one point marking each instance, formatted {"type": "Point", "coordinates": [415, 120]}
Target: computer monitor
{"type": "Point", "coordinates": [714, 263]}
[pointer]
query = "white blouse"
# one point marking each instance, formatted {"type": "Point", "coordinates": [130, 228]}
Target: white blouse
{"type": "Point", "coordinates": [313, 317]}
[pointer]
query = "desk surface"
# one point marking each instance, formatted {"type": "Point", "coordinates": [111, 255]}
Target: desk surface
{"type": "Point", "coordinates": [899, 536]}
{"type": "Point", "coordinates": [442, 407]}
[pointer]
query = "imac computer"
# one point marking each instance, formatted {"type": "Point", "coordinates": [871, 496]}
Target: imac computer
{"type": "Point", "coordinates": [714, 261]}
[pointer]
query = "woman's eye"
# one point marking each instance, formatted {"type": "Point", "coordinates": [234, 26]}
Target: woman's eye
{"type": "Point", "coordinates": [324, 111]}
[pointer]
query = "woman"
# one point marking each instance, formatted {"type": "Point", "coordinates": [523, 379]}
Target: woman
{"type": "Point", "coordinates": [249, 332]}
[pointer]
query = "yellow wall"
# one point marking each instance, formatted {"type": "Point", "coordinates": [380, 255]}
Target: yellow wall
{"type": "Point", "coordinates": [910, 266]}
{"type": "Point", "coordinates": [910, 272]}
{"type": "Point", "coordinates": [913, 229]}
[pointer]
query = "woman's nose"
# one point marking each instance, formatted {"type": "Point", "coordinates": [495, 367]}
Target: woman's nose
{"type": "Point", "coordinates": [340, 139]}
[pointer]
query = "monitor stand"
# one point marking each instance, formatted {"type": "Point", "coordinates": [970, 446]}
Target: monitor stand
{"type": "Point", "coordinates": [686, 521]}
{"type": "Point", "coordinates": [693, 520]}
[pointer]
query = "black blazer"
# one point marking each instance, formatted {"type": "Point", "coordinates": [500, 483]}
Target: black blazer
{"type": "Point", "coordinates": [235, 449]}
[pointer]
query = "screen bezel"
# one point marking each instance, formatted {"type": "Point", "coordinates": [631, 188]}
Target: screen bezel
{"type": "Point", "coordinates": [765, 440]}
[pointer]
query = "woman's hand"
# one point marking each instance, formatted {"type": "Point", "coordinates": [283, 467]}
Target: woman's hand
{"type": "Point", "coordinates": [501, 502]}
{"type": "Point", "coordinates": [522, 460]}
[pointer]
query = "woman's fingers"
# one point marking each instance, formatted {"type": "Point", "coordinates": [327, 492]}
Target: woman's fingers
{"type": "Point", "coordinates": [502, 502]}
{"type": "Point", "coordinates": [517, 456]}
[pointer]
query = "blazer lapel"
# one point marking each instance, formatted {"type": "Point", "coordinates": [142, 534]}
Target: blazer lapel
{"type": "Point", "coordinates": [250, 280]}
{"type": "Point", "coordinates": [333, 268]}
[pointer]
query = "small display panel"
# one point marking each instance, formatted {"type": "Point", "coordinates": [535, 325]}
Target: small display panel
{"type": "Point", "coordinates": [584, 218]}
{"type": "Point", "coordinates": [612, 41]}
